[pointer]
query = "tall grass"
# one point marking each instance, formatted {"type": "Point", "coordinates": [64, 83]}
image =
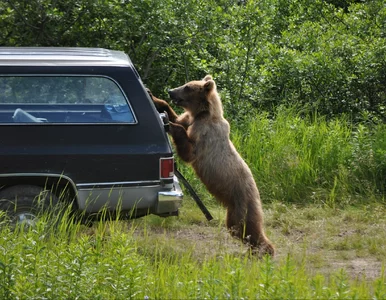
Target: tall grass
{"type": "Point", "coordinates": [298, 159]}
{"type": "Point", "coordinates": [310, 159]}
{"type": "Point", "coordinates": [107, 261]}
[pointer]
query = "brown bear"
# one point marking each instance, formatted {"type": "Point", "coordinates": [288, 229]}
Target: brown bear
{"type": "Point", "coordinates": [201, 138]}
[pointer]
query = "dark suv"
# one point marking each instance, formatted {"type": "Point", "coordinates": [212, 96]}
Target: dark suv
{"type": "Point", "coordinates": [77, 125]}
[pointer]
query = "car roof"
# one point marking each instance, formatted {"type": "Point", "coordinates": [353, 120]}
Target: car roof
{"type": "Point", "coordinates": [61, 56]}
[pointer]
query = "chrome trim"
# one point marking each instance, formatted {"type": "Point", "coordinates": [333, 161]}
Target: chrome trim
{"type": "Point", "coordinates": [119, 183]}
{"type": "Point", "coordinates": [63, 56]}
{"type": "Point", "coordinates": [156, 199]}
{"type": "Point", "coordinates": [170, 201]}
{"type": "Point", "coordinates": [162, 196]}
{"type": "Point", "coordinates": [75, 75]}
{"type": "Point", "coordinates": [139, 197]}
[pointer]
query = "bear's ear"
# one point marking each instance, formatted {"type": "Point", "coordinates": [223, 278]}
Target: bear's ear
{"type": "Point", "coordinates": [209, 85]}
{"type": "Point", "coordinates": [207, 78]}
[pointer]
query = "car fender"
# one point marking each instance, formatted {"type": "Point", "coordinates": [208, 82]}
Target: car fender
{"type": "Point", "coordinates": [55, 182]}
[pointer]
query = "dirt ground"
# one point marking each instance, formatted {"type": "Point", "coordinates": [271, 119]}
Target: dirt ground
{"type": "Point", "coordinates": [325, 244]}
{"type": "Point", "coordinates": [207, 242]}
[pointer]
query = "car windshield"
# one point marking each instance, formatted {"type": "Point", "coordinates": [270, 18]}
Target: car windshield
{"type": "Point", "coordinates": [63, 99]}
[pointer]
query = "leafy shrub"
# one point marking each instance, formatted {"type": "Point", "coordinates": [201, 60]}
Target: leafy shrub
{"type": "Point", "coordinates": [327, 55]}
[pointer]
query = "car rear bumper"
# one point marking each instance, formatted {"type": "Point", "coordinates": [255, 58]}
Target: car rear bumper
{"type": "Point", "coordinates": [170, 200]}
{"type": "Point", "coordinates": [150, 196]}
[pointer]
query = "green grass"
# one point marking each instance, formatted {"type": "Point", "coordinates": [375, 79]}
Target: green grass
{"type": "Point", "coordinates": [301, 159]}
{"type": "Point", "coordinates": [319, 252]}
{"type": "Point", "coordinates": [321, 184]}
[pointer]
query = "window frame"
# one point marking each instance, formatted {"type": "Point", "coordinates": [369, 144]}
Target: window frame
{"type": "Point", "coordinates": [125, 96]}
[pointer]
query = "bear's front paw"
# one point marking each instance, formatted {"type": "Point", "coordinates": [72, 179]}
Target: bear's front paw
{"type": "Point", "coordinates": [160, 104]}
{"type": "Point", "coordinates": [177, 130]}
{"type": "Point", "coordinates": [176, 127]}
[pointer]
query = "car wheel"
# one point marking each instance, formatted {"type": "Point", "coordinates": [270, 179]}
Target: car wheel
{"type": "Point", "coordinates": [24, 203]}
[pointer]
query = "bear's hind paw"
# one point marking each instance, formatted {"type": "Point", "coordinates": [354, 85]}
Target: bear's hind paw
{"type": "Point", "coordinates": [263, 249]}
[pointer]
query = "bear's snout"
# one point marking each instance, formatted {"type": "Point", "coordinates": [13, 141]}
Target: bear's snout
{"type": "Point", "coordinates": [174, 96]}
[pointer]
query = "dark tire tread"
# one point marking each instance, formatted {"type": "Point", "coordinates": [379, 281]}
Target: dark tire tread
{"type": "Point", "coordinates": [24, 198]}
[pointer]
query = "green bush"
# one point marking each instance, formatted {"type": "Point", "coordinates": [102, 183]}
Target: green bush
{"type": "Point", "coordinates": [326, 55]}
{"type": "Point", "coordinates": [326, 58]}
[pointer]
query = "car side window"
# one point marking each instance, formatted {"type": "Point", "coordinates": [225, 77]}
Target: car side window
{"type": "Point", "coordinates": [63, 99]}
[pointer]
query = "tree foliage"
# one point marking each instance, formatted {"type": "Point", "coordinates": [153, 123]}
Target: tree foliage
{"type": "Point", "coordinates": [328, 56]}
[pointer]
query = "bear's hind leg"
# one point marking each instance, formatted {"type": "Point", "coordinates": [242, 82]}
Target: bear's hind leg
{"type": "Point", "coordinates": [248, 227]}
{"type": "Point", "coordinates": [258, 242]}
{"type": "Point", "coordinates": [255, 235]}
{"type": "Point", "coordinates": [234, 224]}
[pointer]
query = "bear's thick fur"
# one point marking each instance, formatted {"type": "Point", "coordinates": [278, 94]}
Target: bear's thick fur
{"type": "Point", "coordinates": [201, 137]}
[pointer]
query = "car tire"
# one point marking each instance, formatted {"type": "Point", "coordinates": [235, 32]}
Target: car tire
{"type": "Point", "coordinates": [24, 203]}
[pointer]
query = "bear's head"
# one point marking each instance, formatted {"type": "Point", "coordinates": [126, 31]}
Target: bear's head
{"type": "Point", "coordinates": [198, 96]}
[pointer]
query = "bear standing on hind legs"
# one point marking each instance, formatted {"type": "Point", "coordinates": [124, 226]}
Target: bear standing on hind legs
{"type": "Point", "coordinates": [201, 137]}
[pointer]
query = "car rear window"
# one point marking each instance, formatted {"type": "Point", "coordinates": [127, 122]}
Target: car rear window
{"type": "Point", "coordinates": [63, 99]}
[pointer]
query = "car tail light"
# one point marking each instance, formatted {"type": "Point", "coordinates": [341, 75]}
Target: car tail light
{"type": "Point", "coordinates": [166, 167]}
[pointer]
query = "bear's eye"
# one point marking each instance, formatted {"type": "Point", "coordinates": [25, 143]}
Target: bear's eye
{"type": "Point", "coordinates": [187, 88]}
